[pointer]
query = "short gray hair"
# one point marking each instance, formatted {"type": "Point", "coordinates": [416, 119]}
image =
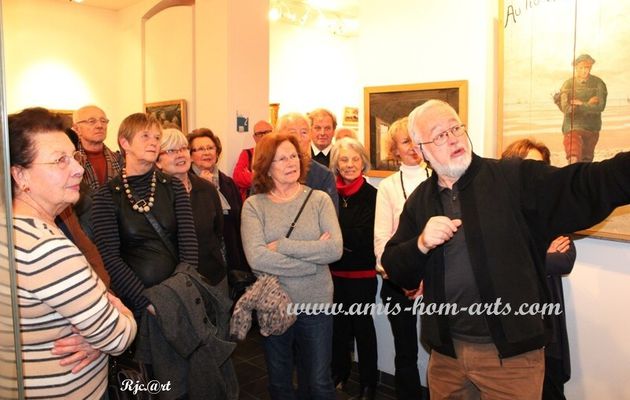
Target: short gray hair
{"type": "Point", "coordinates": [290, 117]}
{"type": "Point", "coordinates": [172, 139]}
{"type": "Point", "coordinates": [352, 144]}
{"type": "Point", "coordinates": [419, 112]}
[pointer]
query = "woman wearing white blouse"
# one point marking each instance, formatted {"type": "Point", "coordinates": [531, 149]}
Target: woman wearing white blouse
{"type": "Point", "coordinates": [392, 194]}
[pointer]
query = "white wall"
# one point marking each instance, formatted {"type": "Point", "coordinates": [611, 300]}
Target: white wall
{"type": "Point", "coordinates": [168, 64]}
{"type": "Point", "coordinates": [59, 56]}
{"type": "Point", "coordinates": [312, 68]}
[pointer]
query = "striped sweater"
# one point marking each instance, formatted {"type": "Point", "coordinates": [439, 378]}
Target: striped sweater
{"type": "Point", "coordinates": [57, 290]}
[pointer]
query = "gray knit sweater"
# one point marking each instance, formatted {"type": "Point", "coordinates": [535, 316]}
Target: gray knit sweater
{"type": "Point", "coordinates": [301, 262]}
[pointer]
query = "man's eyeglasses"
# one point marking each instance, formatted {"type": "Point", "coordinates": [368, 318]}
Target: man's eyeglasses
{"type": "Point", "coordinates": [442, 137]}
{"type": "Point", "coordinates": [63, 161]}
{"type": "Point", "coordinates": [260, 134]}
{"type": "Point", "coordinates": [284, 159]}
{"type": "Point", "coordinates": [172, 152]}
{"type": "Point", "coordinates": [93, 121]}
{"type": "Point", "coordinates": [203, 148]}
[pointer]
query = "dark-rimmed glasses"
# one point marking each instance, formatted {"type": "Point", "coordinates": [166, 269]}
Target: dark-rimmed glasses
{"type": "Point", "coordinates": [442, 137]}
{"type": "Point", "coordinates": [203, 148]}
{"type": "Point", "coordinates": [93, 121]}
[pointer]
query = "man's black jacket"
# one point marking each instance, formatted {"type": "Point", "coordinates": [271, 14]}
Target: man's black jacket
{"type": "Point", "coordinates": [511, 210]}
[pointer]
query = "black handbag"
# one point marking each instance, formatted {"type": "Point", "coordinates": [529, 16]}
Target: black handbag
{"type": "Point", "coordinates": [239, 281]}
{"type": "Point", "coordinates": [125, 375]}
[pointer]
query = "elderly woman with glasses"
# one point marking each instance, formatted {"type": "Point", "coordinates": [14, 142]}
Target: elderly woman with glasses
{"type": "Point", "coordinates": [298, 254]}
{"type": "Point", "coordinates": [174, 159]}
{"type": "Point", "coordinates": [58, 293]}
{"type": "Point", "coordinates": [205, 150]}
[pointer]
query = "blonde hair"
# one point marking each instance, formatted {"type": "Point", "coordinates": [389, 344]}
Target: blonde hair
{"type": "Point", "coordinates": [400, 125]}
{"type": "Point", "coordinates": [135, 123]}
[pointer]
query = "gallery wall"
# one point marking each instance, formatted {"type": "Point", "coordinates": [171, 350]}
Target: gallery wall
{"type": "Point", "coordinates": [59, 56]}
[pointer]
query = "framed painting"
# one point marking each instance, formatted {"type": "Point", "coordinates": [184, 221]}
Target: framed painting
{"type": "Point", "coordinates": [350, 116]}
{"type": "Point", "coordinates": [171, 114]}
{"type": "Point", "coordinates": [564, 82]}
{"type": "Point", "coordinates": [383, 105]}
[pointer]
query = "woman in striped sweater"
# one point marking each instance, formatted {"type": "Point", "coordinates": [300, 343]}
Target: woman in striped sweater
{"type": "Point", "coordinates": [59, 295]}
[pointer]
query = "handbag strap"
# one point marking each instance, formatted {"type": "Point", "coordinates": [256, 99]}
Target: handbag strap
{"type": "Point", "coordinates": [158, 229]}
{"type": "Point", "coordinates": [298, 214]}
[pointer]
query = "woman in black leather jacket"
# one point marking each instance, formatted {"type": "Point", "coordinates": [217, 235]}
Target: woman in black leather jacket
{"type": "Point", "coordinates": [134, 253]}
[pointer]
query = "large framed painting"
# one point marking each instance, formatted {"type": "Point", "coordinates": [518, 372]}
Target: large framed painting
{"type": "Point", "coordinates": [383, 105]}
{"type": "Point", "coordinates": [171, 113]}
{"type": "Point", "coordinates": [565, 82]}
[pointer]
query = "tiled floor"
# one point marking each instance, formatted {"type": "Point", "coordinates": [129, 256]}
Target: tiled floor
{"type": "Point", "coordinates": [249, 362]}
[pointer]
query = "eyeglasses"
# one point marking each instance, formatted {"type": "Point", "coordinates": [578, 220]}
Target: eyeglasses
{"type": "Point", "coordinates": [93, 121]}
{"type": "Point", "coordinates": [284, 159]}
{"type": "Point", "coordinates": [442, 137]}
{"type": "Point", "coordinates": [63, 161]}
{"type": "Point", "coordinates": [204, 148]}
{"type": "Point", "coordinates": [262, 133]}
{"type": "Point", "coordinates": [172, 152]}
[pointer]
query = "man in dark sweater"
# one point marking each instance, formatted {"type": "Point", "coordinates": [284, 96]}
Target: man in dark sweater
{"type": "Point", "coordinates": [477, 232]}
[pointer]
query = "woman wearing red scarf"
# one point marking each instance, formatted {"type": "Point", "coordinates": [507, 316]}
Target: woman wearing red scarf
{"type": "Point", "coordinates": [354, 275]}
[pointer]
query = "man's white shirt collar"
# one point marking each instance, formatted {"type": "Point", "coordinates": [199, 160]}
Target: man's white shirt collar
{"type": "Point", "coordinates": [316, 151]}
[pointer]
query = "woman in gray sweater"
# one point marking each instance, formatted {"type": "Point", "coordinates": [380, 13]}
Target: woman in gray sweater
{"type": "Point", "coordinates": [299, 259]}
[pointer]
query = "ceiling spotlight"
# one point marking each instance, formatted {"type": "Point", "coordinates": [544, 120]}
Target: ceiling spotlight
{"type": "Point", "coordinates": [274, 14]}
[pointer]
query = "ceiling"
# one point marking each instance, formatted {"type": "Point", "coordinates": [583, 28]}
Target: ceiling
{"type": "Point", "coordinates": [346, 7]}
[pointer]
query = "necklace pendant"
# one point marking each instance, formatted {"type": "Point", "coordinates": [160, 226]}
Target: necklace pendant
{"type": "Point", "coordinates": [345, 202]}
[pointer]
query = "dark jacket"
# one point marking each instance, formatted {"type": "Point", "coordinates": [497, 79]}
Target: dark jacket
{"type": "Point", "coordinates": [232, 225]}
{"type": "Point", "coordinates": [321, 178]}
{"type": "Point", "coordinates": [357, 227]}
{"type": "Point", "coordinates": [559, 264]}
{"type": "Point", "coordinates": [140, 246]}
{"type": "Point", "coordinates": [186, 342]}
{"type": "Point", "coordinates": [511, 210]}
{"type": "Point", "coordinates": [206, 208]}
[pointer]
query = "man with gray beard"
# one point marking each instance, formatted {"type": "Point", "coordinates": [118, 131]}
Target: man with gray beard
{"type": "Point", "coordinates": [477, 233]}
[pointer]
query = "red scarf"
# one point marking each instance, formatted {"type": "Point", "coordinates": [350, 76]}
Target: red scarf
{"type": "Point", "coordinates": [347, 190]}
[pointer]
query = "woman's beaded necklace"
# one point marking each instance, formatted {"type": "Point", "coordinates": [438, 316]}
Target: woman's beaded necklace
{"type": "Point", "coordinates": [142, 205]}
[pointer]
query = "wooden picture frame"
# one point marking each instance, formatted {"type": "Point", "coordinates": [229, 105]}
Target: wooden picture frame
{"type": "Point", "coordinates": [539, 43]}
{"type": "Point", "coordinates": [385, 104]}
{"type": "Point", "coordinates": [171, 113]}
